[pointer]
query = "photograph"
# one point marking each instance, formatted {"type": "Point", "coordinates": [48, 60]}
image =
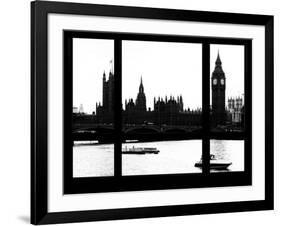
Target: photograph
{"type": "Point", "coordinates": [227, 106]}
{"type": "Point", "coordinates": [226, 155]}
{"type": "Point", "coordinates": [227, 88]}
{"type": "Point", "coordinates": [140, 112]}
{"type": "Point", "coordinates": [162, 107]}
{"type": "Point", "coordinates": [93, 101]}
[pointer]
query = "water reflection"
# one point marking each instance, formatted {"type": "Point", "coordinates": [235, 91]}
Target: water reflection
{"type": "Point", "coordinates": [174, 157]}
{"type": "Point", "coordinates": [228, 151]}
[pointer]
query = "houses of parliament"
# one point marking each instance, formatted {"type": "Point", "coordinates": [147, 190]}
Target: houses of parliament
{"type": "Point", "coordinates": [169, 110]}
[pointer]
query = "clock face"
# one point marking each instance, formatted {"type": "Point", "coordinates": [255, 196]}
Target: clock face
{"type": "Point", "coordinates": [222, 81]}
{"type": "Point", "coordinates": [215, 81]}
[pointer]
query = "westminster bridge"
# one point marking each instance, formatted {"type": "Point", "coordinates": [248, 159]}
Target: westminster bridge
{"type": "Point", "coordinates": [143, 132]}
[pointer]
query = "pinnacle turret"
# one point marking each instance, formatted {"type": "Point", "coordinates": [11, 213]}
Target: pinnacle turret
{"type": "Point", "coordinates": [218, 61]}
{"type": "Point", "coordinates": [218, 71]}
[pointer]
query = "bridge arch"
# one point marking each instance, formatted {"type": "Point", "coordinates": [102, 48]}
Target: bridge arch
{"type": "Point", "coordinates": [95, 129]}
{"type": "Point", "coordinates": [142, 130]}
{"type": "Point", "coordinates": [175, 130]}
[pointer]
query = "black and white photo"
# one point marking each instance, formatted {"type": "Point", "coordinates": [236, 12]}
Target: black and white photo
{"type": "Point", "coordinates": [146, 112]}
{"type": "Point", "coordinates": [227, 106]}
{"type": "Point", "coordinates": [227, 88]}
{"type": "Point", "coordinates": [93, 111]}
{"type": "Point", "coordinates": [162, 107]}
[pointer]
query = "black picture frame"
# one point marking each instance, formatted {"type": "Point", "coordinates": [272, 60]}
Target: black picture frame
{"type": "Point", "coordinates": [39, 112]}
{"type": "Point", "coordinates": [118, 182]}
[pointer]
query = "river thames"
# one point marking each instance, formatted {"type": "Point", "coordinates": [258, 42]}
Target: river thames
{"type": "Point", "coordinates": [175, 157]}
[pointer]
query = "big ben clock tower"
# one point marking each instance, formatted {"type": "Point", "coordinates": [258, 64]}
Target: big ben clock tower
{"type": "Point", "coordinates": [218, 94]}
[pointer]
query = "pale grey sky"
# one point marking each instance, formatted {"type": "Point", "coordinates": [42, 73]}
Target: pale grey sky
{"type": "Point", "coordinates": [166, 69]}
{"type": "Point", "coordinates": [91, 57]}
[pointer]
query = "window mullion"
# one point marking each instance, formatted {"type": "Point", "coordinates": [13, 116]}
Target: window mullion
{"type": "Point", "coordinates": [118, 107]}
{"type": "Point", "coordinates": [206, 107]}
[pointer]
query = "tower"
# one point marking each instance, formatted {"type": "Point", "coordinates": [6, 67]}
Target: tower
{"type": "Point", "coordinates": [110, 91]}
{"type": "Point", "coordinates": [104, 92]}
{"type": "Point", "coordinates": [218, 93]}
{"type": "Point", "coordinates": [141, 99]}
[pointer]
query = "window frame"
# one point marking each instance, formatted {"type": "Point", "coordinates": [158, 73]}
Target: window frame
{"type": "Point", "coordinates": [164, 181]}
{"type": "Point", "coordinates": [40, 213]}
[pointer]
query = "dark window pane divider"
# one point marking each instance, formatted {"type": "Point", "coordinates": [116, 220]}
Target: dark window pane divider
{"type": "Point", "coordinates": [118, 108]}
{"type": "Point", "coordinates": [206, 107]}
{"type": "Point", "coordinates": [152, 182]}
{"type": "Point", "coordinates": [248, 108]}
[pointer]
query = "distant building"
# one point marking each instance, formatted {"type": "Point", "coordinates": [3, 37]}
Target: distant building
{"type": "Point", "coordinates": [234, 113]}
{"type": "Point", "coordinates": [235, 110]}
{"type": "Point", "coordinates": [75, 110]}
{"type": "Point", "coordinates": [165, 111]}
{"type": "Point", "coordinates": [81, 109]}
{"type": "Point", "coordinates": [141, 99]}
{"type": "Point", "coordinates": [104, 111]}
{"type": "Point", "coordinates": [218, 94]}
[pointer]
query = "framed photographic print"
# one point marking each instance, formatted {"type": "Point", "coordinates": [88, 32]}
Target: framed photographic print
{"type": "Point", "coordinates": [144, 112]}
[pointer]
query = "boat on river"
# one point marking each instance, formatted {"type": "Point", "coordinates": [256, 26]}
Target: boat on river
{"type": "Point", "coordinates": [140, 150]}
{"type": "Point", "coordinates": [215, 163]}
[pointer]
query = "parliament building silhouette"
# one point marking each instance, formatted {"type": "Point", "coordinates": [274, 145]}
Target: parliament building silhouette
{"type": "Point", "coordinates": [169, 110]}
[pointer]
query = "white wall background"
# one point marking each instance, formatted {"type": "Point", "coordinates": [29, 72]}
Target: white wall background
{"type": "Point", "coordinates": [15, 112]}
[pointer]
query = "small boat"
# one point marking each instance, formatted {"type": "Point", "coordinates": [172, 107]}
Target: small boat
{"type": "Point", "coordinates": [140, 151]}
{"type": "Point", "coordinates": [215, 163]}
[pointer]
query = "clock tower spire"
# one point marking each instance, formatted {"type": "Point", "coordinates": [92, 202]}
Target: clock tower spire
{"type": "Point", "coordinates": [218, 93]}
